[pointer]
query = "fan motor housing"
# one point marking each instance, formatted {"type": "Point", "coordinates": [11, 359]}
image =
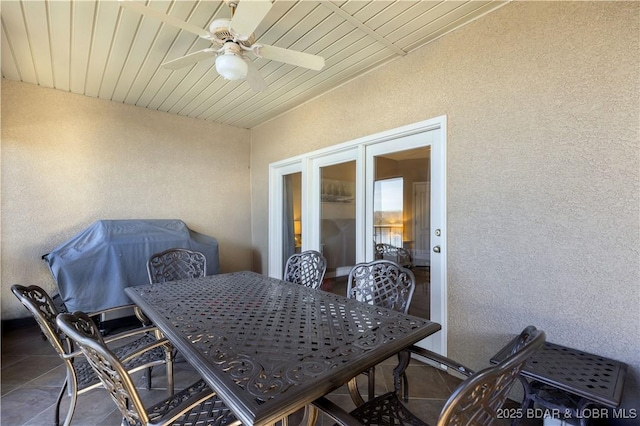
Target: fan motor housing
{"type": "Point", "coordinates": [220, 30]}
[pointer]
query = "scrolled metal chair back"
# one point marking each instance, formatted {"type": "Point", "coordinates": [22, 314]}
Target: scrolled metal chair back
{"type": "Point", "coordinates": [477, 400]}
{"type": "Point", "coordinates": [176, 264]}
{"type": "Point", "coordinates": [382, 283]}
{"type": "Point", "coordinates": [306, 268]}
{"type": "Point", "coordinates": [398, 254]}
{"type": "Point", "coordinates": [83, 331]}
{"type": "Point", "coordinates": [41, 306]}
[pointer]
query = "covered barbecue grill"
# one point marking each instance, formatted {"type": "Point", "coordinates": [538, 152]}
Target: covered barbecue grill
{"type": "Point", "coordinates": [92, 269]}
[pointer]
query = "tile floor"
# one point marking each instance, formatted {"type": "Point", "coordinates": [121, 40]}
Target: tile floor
{"type": "Point", "coordinates": [32, 373]}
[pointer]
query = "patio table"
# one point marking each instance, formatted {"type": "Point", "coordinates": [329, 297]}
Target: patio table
{"type": "Point", "coordinates": [269, 347]}
{"type": "Point", "coordinates": [568, 383]}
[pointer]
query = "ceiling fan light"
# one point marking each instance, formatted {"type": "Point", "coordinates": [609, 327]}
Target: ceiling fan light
{"type": "Point", "coordinates": [231, 66]}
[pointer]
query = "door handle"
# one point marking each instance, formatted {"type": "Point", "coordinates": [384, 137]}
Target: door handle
{"type": "Point", "coordinates": [436, 249]}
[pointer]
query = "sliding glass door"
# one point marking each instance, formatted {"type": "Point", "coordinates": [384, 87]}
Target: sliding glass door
{"type": "Point", "coordinates": [378, 197]}
{"type": "Point", "coordinates": [401, 224]}
{"type": "Point", "coordinates": [334, 219]}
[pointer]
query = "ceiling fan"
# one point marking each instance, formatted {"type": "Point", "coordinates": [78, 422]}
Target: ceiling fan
{"type": "Point", "coordinates": [231, 39]}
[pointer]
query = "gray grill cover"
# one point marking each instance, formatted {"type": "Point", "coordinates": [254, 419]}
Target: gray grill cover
{"type": "Point", "coordinates": [93, 268]}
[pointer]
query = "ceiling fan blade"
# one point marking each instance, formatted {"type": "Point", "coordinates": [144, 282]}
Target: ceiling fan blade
{"type": "Point", "coordinates": [292, 57]}
{"type": "Point", "coordinates": [248, 16]}
{"type": "Point", "coordinates": [191, 58]}
{"type": "Point", "coordinates": [254, 78]}
{"type": "Point", "coordinates": [148, 11]}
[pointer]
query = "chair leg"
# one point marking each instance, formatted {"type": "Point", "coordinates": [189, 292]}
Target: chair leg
{"type": "Point", "coordinates": [372, 382]}
{"type": "Point", "coordinates": [149, 369]}
{"type": "Point", "coordinates": [355, 393]}
{"type": "Point", "coordinates": [73, 398]}
{"type": "Point", "coordinates": [169, 364]}
{"type": "Point", "coordinates": [169, 359]}
{"type": "Point", "coordinates": [405, 387]}
{"type": "Point", "coordinates": [400, 382]}
{"type": "Point", "coordinates": [58, 401]}
{"type": "Point", "coordinates": [311, 415]}
{"type": "Point", "coordinates": [527, 399]}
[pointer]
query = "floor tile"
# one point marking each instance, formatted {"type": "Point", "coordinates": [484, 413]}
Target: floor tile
{"type": "Point", "coordinates": [30, 385]}
{"type": "Point", "coordinates": [30, 368]}
{"type": "Point", "coordinates": [23, 404]}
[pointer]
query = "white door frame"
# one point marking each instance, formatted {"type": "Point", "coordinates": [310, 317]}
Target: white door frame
{"type": "Point", "coordinates": [431, 137]}
{"type": "Point", "coordinates": [437, 129]}
{"type": "Point", "coordinates": [276, 212]}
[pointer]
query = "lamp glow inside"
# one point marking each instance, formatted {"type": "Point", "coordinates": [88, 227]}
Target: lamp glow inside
{"type": "Point", "coordinates": [231, 66]}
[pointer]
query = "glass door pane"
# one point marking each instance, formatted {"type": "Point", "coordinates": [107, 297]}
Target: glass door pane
{"type": "Point", "coordinates": [401, 217]}
{"type": "Point", "coordinates": [338, 219]}
{"type": "Point", "coordinates": [292, 215]}
{"type": "Point", "coordinates": [388, 207]}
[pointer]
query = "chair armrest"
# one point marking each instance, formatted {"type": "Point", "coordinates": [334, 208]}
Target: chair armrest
{"type": "Point", "coordinates": [425, 353]}
{"type": "Point", "coordinates": [73, 354]}
{"type": "Point", "coordinates": [146, 348]}
{"type": "Point", "coordinates": [141, 316]}
{"type": "Point", "coordinates": [336, 413]}
{"type": "Point", "coordinates": [131, 333]}
{"type": "Point", "coordinates": [136, 310]}
{"type": "Point", "coordinates": [157, 343]}
{"type": "Point", "coordinates": [109, 310]}
{"type": "Point", "coordinates": [354, 392]}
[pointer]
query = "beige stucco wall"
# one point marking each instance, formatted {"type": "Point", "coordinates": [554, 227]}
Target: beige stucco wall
{"type": "Point", "coordinates": [543, 107]}
{"type": "Point", "coordinates": [69, 160]}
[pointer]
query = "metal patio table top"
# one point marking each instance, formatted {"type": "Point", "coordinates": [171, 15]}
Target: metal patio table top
{"type": "Point", "coordinates": [591, 378]}
{"type": "Point", "coordinates": [269, 347]}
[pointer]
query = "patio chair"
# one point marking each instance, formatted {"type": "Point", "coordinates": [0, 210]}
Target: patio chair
{"type": "Point", "coordinates": [476, 401]}
{"type": "Point", "coordinates": [176, 264]}
{"type": "Point", "coordinates": [386, 284]}
{"type": "Point", "coordinates": [196, 404]}
{"type": "Point", "coordinates": [306, 268]}
{"type": "Point", "coordinates": [80, 377]}
{"type": "Point", "coordinates": [399, 255]}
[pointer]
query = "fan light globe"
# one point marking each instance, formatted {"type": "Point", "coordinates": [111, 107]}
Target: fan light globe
{"type": "Point", "coordinates": [231, 67]}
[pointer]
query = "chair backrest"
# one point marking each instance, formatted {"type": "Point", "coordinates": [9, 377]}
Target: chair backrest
{"type": "Point", "coordinates": [399, 255]}
{"type": "Point", "coordinates": [176, 264]}
{"type": "Point", "coordinates": [382, 283]}
{"type": "Point", "coordinates": [83, 331]}
{"type": "Point", "coordinates": [477, 399]}
{"type": "Point", "coordinates": [306, 268]}
{"type": "Point", "coordinates": [41, 306]}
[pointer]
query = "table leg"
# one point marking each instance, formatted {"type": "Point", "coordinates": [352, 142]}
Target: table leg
{"type": "Point", "coordinates": [399, 376]}
{"type": "Point", "coordinates": [580, 410]}
{"type": "Point", "coordinates": [527, 400]}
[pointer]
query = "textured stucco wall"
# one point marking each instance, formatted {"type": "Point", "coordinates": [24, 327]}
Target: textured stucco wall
{"type": "Point", "coordinates": [69, 160]}
{"type": "Point", "coordinates": [543, 107]}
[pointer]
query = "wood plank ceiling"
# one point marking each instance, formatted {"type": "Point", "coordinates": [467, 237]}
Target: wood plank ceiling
{"type": "Point", "coordinates": [98, 49]}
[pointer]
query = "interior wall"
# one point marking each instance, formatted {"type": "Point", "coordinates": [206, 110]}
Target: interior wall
{"type": "Point", "coordinates": [69, 160]}
{"type": "Point", "coordinates": [543, 104]}
{"type": "Point", "coordinates": [413, 171]}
